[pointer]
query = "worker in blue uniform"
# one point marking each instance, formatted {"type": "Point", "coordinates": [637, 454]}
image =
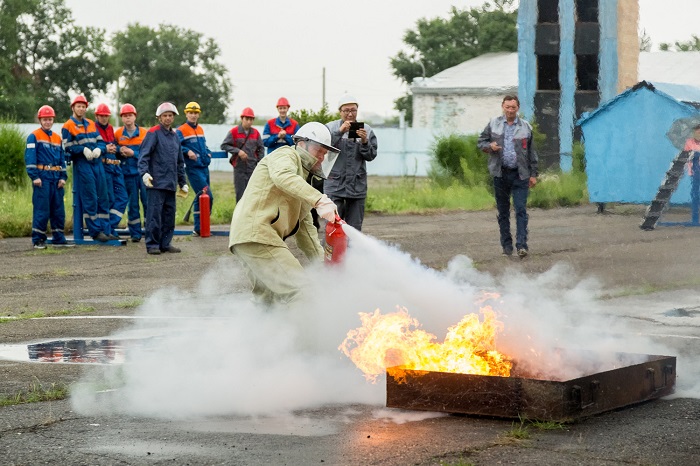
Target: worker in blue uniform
{"type": "Point", "coordinates": [162, 169]}
{"type": "Point", "coordinates": [116, 189]}
{"type": "Point", "coordinates": [46, 166]}
{"type": "Point", "coordinates": [197, 158]}
{"type": "Point", "coordinates": [80, 137]}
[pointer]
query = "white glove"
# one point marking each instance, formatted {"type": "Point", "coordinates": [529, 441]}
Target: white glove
{"type": "Point", "coordinates": [87, 153]}
{"type": "Point", "coordinates": [185, 189]}
{"type": "Point", "coordinates": [326, 208]}
{"type": "Point", "coordinates": [147, 180]}
{"type": "Point", "coordinates": [96, 153]}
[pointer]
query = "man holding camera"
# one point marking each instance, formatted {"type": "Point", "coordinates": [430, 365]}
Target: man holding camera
{"type": "Point", "coordinates": [346, 184]}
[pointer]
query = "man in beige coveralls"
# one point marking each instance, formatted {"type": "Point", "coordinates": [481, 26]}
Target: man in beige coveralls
{"type": "Point", "coordinates": [276, 205]}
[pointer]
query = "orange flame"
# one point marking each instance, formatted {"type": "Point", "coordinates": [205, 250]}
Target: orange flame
{"type": "Point", "coordinates": [395, 340]}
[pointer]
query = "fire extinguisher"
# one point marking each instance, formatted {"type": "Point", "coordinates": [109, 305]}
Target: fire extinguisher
{"type": "Point", "coordinates": [336, 241]}
{"type": "Point", "coordinates": [204, 214]}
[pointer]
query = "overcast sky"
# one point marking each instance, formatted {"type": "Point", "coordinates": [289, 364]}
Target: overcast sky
{"type": "Point", "coordinates": [279, 48]}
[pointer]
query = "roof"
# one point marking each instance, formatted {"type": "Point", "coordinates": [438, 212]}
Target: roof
{"type": "Point", "coordinates": [669, 91]}
{"type": "Point", "coordinates": [499, 72]}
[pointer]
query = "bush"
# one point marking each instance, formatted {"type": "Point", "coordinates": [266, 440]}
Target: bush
{"type": "Point", "coordinates": [12, 144]}
{"type": "Point", "coordinates": [457, 157]}
{"type": "Point", "coordinates": [304, 116]}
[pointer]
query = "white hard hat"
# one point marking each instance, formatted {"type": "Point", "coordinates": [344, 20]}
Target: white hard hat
{"type": "Point", "coordinates": [347, 99]}
{"type": "Point", "coordinates": [315, 132]}
{"type": "Point", "coordinates": [166, 107]}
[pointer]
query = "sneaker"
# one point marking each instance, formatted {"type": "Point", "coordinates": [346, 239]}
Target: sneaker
{"type": "Point", "coordinates": [195, 233]}
{"type": "Point", "coordinates": [40, 245]}
{"type": "Point", "coordinates": [135, 239]}
{"type": "Point", "coordinates": [171, 249]}
{"type": "Point", "coordinates": [155, 251]}
{"type": "Point", "coordinates": [507, 252]}
{"type": "Point", "coordinates": [101, 237]}
{"type": "Point", "coordinates": [522, 252]}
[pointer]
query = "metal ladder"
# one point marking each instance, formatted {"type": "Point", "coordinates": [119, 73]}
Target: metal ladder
{"type": "Point", "coordinates": [666, 190]}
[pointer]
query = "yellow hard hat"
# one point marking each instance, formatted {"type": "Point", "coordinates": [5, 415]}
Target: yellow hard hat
{"type": "Point", "coordinates": [193, 107]}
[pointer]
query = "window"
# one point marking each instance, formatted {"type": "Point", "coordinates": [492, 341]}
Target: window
{"type": "Point", "coordinates": [548, 73]}
{"type": "Point", "coordinates": [547, 11]}
{"type": "Point", "coordinates": [587, 11]}
{"type": "Point", "coordinates": [587, 68]}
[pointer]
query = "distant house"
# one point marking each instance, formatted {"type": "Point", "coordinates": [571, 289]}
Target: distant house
{"type": "Point", "coordinates": [627, 150]}
{"type": "Point", "coordinates": [461, 99]}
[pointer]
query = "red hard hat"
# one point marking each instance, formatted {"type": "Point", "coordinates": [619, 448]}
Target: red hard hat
{"type": "Point", "coordinates": [283, 102]}
{"type": "Point", "coordinates": [127, 108]}
{"type": "Point", "coordinates": [79, 99]}
{"type": "Point", "coordinates": [247, 112]}
{"type": "Point", "coordinates": [46, 112]}
{"type": "Point", "coordinates": [103, 110]}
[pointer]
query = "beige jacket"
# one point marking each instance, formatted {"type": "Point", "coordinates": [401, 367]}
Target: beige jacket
{"type": "Point", "coordinates": [277, 204]}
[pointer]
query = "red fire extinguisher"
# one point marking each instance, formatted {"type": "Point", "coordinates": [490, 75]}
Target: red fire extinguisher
{"type": "Point", "coordinates": [204, 214]}
{"type": "Point", "coordinates": [336, 241]}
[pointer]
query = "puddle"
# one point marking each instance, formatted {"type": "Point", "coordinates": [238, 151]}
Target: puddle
{"type": "Point", "coordinates": [80, 351]}
{"type": "Point", "coordinates": [682, 312]}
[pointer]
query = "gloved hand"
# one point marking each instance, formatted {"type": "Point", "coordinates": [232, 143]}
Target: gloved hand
{"type": "Point", "coordinates": [96, 153]}
{"type": "Point", "coordinates": [87, 153]}
{"type": "Point", "coordinates": [326, 208]}
{"type": "Point", "coordinates": [147, 180]}
{"type": "Point", "coordinates": [185, 189]}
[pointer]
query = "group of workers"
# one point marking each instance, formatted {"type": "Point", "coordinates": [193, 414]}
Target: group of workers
{"type": "Point", "coordinates": [118, 171]}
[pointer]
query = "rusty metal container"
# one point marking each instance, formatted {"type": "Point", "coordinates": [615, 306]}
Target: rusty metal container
{"type": "Point", "coordinates": [531, 398]}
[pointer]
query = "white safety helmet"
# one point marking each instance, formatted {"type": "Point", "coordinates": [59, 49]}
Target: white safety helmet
{"type": "Point", "coordinates": [321, 135]}
{"type": "Point", "coordinates": [347, 99]}
{"type": "Point", "coordinates": [166, 107]}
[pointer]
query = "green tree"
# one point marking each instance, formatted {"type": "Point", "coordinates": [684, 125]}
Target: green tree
{"type": "Point", "coordinates": [45, 55]}
{"type": "Point", "coordinates": [304, 116]}
{"type": "Point", "coordinates": [692, 45]}
{"type": "Point", "coordinates": [171, 64]}
{"type": "Point", "coordinates": [437, 44]}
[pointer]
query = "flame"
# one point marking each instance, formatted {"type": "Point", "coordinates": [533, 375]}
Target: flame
{"type": "Point", "coordinates": [395, 339]}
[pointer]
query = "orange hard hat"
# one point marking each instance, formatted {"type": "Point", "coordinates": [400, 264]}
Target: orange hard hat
{"type": "Point", "coordinates": [127, 108]}
{"type": "Point", "coordinates": [46, 111]}
{"type": "Point", "coordinates": [78, 100]}
{"type": "Point", "coordinates": [103, 110]}
{"type": "Point", "coordinates": [283, 102]}
{"type": "Point", "coordinates": [247, 112]}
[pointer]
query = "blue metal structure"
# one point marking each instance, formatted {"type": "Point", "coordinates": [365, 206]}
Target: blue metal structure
{"type": "Point", "coordinates": [627, 150]}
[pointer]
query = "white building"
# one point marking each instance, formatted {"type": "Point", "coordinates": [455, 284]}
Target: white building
{"type": "Point", "coordinates": [463, 98]}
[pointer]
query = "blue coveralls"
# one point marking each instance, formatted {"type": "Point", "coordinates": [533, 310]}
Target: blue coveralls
{"type": "Point", "coordinates": [88, 175]}
{"type": "Point", "coordinates": [135, 188]}
{"type": "Point", "coordinates": [116, 189]}
{"type": "Point", "coordinates": [192, 139]}
{"type": "Point", "coordinates": [161, 157]}
{"type": "Point", "coordinates": [45, 160]}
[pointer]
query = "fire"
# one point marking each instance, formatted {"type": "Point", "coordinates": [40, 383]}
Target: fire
{"type": "Point", "coordinates": [395, 339]}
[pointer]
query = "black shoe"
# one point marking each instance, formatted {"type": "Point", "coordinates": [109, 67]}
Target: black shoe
{"type": "Point", "coordinates": [195, 233]}
{"type": "Point", "coordinates": [135, 239]}
{"type": "Point", "coordinates": [112, 236]}
{"type": "Point", "coordinates": [522, 252]}
{"type": "Point", "coordinates": [171, 249]}
{"type": "Point", "coordinates": [101, 237]}
{"type": "Point", "coordinates": [155, 251]}
{"type": "Point", "coordinates": [40, 245]}
{"type": "Point", "coordinates": [507, 252]}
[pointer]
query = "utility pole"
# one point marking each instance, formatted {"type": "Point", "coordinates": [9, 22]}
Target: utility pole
{"type": "Point", "coordinates": [323, 97]}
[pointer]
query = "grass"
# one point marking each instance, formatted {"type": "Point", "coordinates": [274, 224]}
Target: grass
{"type": "Point", "coordinates": [79, 309]}
{"type": "Point", "coordinates": [129, 303]}
{"type": "Point", "coordinates": [520, 430]}
{"type": "Point", "coordinates": [36, 392]}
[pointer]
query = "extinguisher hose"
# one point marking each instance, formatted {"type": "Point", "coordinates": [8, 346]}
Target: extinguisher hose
{"type": "Point", "coordinates": [186, 218]}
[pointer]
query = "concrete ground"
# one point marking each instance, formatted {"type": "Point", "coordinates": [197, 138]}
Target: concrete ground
{"type": "Point", "coordinates": [650, 280]}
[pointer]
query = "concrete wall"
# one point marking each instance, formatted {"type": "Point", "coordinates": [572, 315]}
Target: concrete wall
{"type": "Point", "coordinates": [455, 113]}
{"type": "Point", "coordinates": [402, 152]}
{"type": "Point", "coordinates": [627, 43]}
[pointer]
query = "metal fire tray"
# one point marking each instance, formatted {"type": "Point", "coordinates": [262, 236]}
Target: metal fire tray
{"type": "Point", "coordinates": [531, 398]}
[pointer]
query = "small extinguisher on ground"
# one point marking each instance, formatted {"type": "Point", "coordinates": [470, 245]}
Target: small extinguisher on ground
{"type": "Point", "coordinates": [336, 241]}
{"type": "Point", "coordinates": [204, 214]}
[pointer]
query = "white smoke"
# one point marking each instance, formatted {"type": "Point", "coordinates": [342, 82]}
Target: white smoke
{"type": "Point", "coordinates": [214, 352]}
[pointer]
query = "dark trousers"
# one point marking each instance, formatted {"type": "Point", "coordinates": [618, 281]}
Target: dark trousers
{"type": "Point", "coordinates": [160, 218]}
{"type": "Point", "coordinates": [89, 176]}
{"type": "Point", "coordinates": [506, 186]}
{"type": "Point", "coordinates": [48, 205]}
{"type": "Point", "coordinates": [351, 210]}
{"type": "Point", "coordinates": [241, 176]}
